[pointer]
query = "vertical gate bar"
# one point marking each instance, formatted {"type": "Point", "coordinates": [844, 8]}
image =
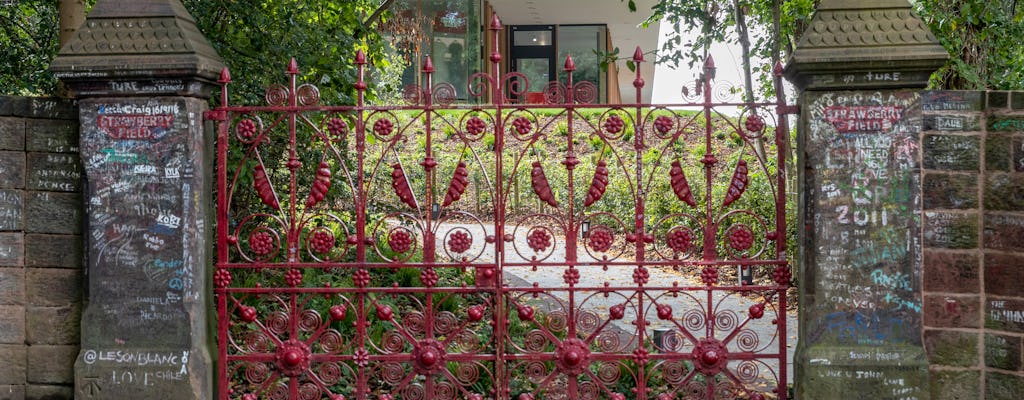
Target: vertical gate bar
{"type": "Point", "coordinates": [639, 218]}
{"type": "Point", "coordinates": [293, 234]}
{"type": "Point", "coordinates": [781, 147]}
{"type": "Point", "coordinates": [428, 165]}
{"type": "Point", "coordinates": [222, 235]}
{"type": "Point", "coordinates": [710, 230]}
{"type": "Point", "coordinates": [362, 378]}
{"type": "Point", "coordinates": [571, 225]}
{"type": "Point", "coordinates": [501, 383]}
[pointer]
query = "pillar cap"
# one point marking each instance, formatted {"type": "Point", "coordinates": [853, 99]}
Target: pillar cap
{"type": "Point", "coordinates": [138, 47]}
{"type": "Point", "coordinates": [865, 44]}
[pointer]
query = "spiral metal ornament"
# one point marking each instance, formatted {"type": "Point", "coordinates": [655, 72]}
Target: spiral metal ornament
{"type": "Point", "coordinates": [309, 320]}
{"type": "Point", "coordinates": [674, 371]}
{"type": "Point", "coordinates": [309, 391]}
{"type": "Point", "coordinates": [445, 322]}
{"type": "Point", "coordinates": [535, 371]}
{"type": "Point", "coordinates": [747, 340]}
{"type": "Point", "coordinates": [414, 322]}
{"type": "Point", "coordinates": [412, 95]}
{"type": "Point", "coordinates": [747, 371]}
{"type": "Point", "coordinates": [256, 373]}
{"type": "Point", "coordinates": [693, 320]}
{"type": "Point", "coordinates": [535, 341]}
{"type": "Point", "coordinates": [258, 342]}
{"type": "Point", "coordinates": [587, 321]}
{"type": "Point", "coordinates": [329, 373]}
{"type": "Point", "coordinates": [278, 391]}
{"type": "Point", "coordinates": [467, 374]}
{"type": "Point", "coordinates": [392, 342]}
{"type": "Point", "coordinates": [726, 320]}
{"type": "Point", "coordinates": [277, 95]}
{"type": "Point", "coordinates": [588, 391]}
{"type": "Point", "coordinates": [557, 321]}
{"type": "Point", "coordinates": [444, 391]}
{"type": "Point", "coordinates": [608, 342]}
{"type": "Point", "coordinates": [444, 94]}
{"type": "Point", "coordinates": [392, 372]}
{"type": "Point", "coordinates": [609, 373]}
{"type": "Point", "coordinates": [586, 92]}
{"type": "Point", "coordinates": [414, 391]}
{"type": "Point", "coordinates": [277, 322]}
{"type": "Point", "coordinates": [307, 95]}
{"type": "Point", "coordinates": [554, 92]}
{"type": "Point", "coordinates": [331, 341]}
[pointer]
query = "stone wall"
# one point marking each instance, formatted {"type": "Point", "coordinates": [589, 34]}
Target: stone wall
{"type": "Point", "coordinates": [973, 238]}
{"type": "Point", "coordinates": [40, 247]}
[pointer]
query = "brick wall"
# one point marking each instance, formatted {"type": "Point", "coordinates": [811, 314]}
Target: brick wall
{"type": "Point", "coordinates": [973, 188]}
{"type": "Point", "coordinates": [40, 247]}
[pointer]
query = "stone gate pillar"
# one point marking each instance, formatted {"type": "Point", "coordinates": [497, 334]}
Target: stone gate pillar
{"type": "Point", "coordinates": [141, 72]}
{"type": "Point", "coordinates": [859, 68]}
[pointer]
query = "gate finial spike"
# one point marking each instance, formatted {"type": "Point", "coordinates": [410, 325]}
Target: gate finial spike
{"type": "Point", "coordinates": [709, 67]}
{"type": "Point", "coordinates": [428, 65]}
{"type": "Point", "coordinates": [570, 65]}
{"type": "Point", "coordinates": [495, 23]}
{"type": "Point", "coordinates": [778, 68]}
{"type": "Point", "coordinates": [293, 67]}
{"type": "Point", "coordinates": [360, 57]}
{"type": "Point", "coordinates": [225, 76]}
{"type": "Point", "coordinates": [638, 55]}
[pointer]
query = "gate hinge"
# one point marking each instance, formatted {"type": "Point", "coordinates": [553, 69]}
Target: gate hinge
{"type": "Point", "coordinates": [787, 109]}
{"type": "Point", "coordinates": [215, 115]}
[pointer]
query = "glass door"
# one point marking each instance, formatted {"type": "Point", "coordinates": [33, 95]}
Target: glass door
{"type": "Point", "coordinates": [533, 55]}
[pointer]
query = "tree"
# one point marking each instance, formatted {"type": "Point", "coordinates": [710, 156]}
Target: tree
{"type": "Point", "coordinates": [255, 38]}
{"type": "Point", "coordinates": [984, 39]}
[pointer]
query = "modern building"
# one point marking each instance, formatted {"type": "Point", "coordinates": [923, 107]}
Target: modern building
{"type": "Point", "coordinates": [536, 37]}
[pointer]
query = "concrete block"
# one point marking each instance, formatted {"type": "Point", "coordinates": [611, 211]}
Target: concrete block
{"type": "Point", "coordinates": [53, 287]}
{"type": "Point", "coordinates": [12, 324]}
{"type": "Point", "coordinates": [53, 325]}
{"type": "Point", "coordinates": [12, 170]}
{"type": "Point", "coordinates": [12, 286]}
{"type": "Point", "coordinates": [59, 251]}
{"type": "Point", "coordinates": [12, 364]}
{"type": "Point", "coordinates": [50, 212]}
{"type": "Point", "coordinates": [12, 249]}
{"type": "Point", "coordinates": [51, 364]}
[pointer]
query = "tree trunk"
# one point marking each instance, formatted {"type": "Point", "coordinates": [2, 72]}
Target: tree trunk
{"type": "Point", "coordinates": [72, 15]}
{"type": "Point", "coordinates": [743, 33]}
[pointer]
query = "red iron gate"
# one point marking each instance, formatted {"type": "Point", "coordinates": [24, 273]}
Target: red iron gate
{"type": "Point", "coordinates": [440, 251]}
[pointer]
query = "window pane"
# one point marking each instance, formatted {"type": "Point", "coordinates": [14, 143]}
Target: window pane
{"type": "Point", "coordinates": [581, 42]}
{"type": "Point", "coordinates": [532, 38]}
{"type": "Point", "coordinates": [536, 71]}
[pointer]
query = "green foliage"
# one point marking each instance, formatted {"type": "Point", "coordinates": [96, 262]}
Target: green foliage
{"type": "Point", "coordinates": [256, 39]}
{"type": "Point", "coordinates": [983, 37]}
{"type": "Point", "coordinates": [28, 42]}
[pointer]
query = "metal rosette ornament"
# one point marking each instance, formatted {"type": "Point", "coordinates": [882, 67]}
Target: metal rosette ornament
{"type": "Point", "coordinates": [336, 128]}
{"type": "Point", "coordinates": [255, 239]}
{"type": "Point", "coordinates": [613, 124]}
{"type": "Point", "coordinates": [327, 242]}
{"type": "Point", "coordinates": [536, 241]}
{"type": "Point", "coordinates": [753, 124]}
{"type": "Point", "coordinates": [249, 129]}
{"type": "Point", "coordinates": [384, 126]}
{"type": "Point", "coordinates": [523, 125]}
{"type": "Point", "coordinates": [474, 125]}
{"type": "Point", "coordinates": [463, 242]}
{"type": "Point", "coordinates": [743, 234]}
{"type": "Point", "coordinates": [599, 238]}
{"type": "Point", "coordinates": [396, 237]}
{"type": "Point", "coordinates": [663, 123]}
{"type": "Point", "coordinates": [678, 237]}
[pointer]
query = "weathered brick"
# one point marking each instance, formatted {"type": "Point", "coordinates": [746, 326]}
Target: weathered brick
{"type": "Point", "coordinates": [49, 392]}
{"type": "Point", "coordinates": [53, 325]}
{"type": "Point", "coordinates": [941, 311]}
{"type": "Point", "coordinates": [954, 153]}
{"type": "Point", "coordinates": [951, 348]}
{"type": "Point", "coordinates": [954, 385]}
{"type": "Point", "coordinates": [1004, 231]}
{"type": "Point", "coordinates": [951, 230]}
{"type": "Point", "coordinates": [1003, 274]}
{"type": "Point", "coordinates": [12, 133]}
{"type": "Point", "coordinates": [12, 286]}
{"type": "Point", "coordinates": [951, 272]}
{"type": "Point", "coordinates": [1003, 352]}
{"type": "Point", "coordinates": [998, 99]}
{"type": "Point", "coordinates": [12, 249]}
{"type": "Point", "coordinates": [49, 212]}
{"type": "Point", "coordinates": [12, 210]}
{"type": "Point", "coordinates": [51, 136]}
{"type": "Point", "coordinates": [1017, 100]}
{"type": "Point", "coordinates": [53, 287]}
{"type": "Point", "coordinates": [997, 152]}
{"type": "Point", "coordinates": [12, 324]}
{"type": "Point", "coordinates": [12, 170]}
{"type": "Point", "coordinates": [51, 108]}
{"type": "Point", "coordinates": [54, 172]}
{"type": "Point", "coordinates": [12, 392]}
{"type": "Point", "coordinates": [1003, 386]}
{"type": "Point", "coordinates": [59, 251]}
{"type": "Point", "coordinates": [950, 191]}
{"type": "Point", "coordinates": [1004, 192]}
{"type": "Point", "coordinates": [1005, 123]}
{"type": "Point", "coordinates": [951, 123]}
{"type": "Point", "coordinates": [12, 364]}
{"type": "Point", "coordinates": [1018, 154]}
{"type": "Point", "coordinates": [51, 364]}
{"type": "Point", "coordinates": [1005, 314]}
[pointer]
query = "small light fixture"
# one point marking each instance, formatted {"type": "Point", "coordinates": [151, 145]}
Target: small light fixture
{"type": "Point", "coordinates": [435, 210]}
{"type": "Point", "coordinates": [746, 275]}
{"type": "Point", "coordinates": [585, 229]}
